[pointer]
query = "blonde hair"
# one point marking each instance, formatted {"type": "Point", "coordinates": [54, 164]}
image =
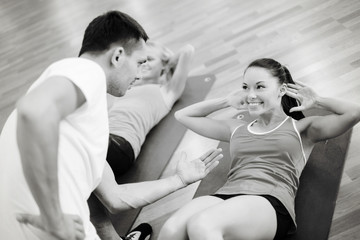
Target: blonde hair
{"type": "Point", "coordinates": [165, 53]}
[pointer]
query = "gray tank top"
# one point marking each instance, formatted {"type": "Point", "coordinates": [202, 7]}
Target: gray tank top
{"type": "Point", "coordinates": [135, 114]}
{"type": "Point", "coordinates": [268, 163]}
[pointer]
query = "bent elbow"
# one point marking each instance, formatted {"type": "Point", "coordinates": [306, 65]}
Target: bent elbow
{"type": "Point", "coordinates": [179, 116]}
{"type": "Point", "coordinates": [113, 209]}
{"type": "Point", "coordinates": [190, 49]}
{"type": "Point", "coordinates": [355, 116]}
{"type": "Point", "coordinates": [352, 116]}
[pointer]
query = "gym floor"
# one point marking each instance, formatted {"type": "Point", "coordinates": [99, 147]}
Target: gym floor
{"type": "Point", "coordinates": [319, 41]}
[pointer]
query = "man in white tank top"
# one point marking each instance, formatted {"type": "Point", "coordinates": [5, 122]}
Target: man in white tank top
{"type": "Point", "coordinates": [53, 145]}
{"type": "Point", "coordinates": [131, 117]}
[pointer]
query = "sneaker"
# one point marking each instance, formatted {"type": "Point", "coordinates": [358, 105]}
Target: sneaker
{"type": "Point", "coordinates": [141, 232]}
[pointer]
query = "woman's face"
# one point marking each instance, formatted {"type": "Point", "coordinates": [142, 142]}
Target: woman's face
{"type": "Point", "coordinates": [151, 70]}
{"type": "Point", "coordinates": [262, 91]}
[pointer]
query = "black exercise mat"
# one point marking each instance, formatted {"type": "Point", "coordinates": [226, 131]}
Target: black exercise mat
{"type": "Point", "coordinates": [159, 146]}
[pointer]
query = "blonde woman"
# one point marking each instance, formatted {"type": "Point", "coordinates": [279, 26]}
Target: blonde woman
{"type": "Point", "coordinates": [150, 99]}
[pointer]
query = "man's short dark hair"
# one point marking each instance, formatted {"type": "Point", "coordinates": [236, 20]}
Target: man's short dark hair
{"type": "Point", "coordinates": [112, 27]}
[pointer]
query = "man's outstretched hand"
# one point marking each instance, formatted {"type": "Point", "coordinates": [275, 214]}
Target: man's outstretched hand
{"type": "Point", "coordinates": [194, 170]}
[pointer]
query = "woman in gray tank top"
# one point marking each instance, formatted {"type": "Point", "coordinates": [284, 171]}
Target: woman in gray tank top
{"type": "Point", "coordinates": [268, 155]}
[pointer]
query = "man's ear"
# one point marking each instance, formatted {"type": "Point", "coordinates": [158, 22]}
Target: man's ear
{"type": "Point", "coordinates": [118, 56]}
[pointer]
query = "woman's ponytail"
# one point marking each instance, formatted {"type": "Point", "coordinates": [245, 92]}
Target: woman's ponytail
{"type": "Point", "coordinates": [289, 102]}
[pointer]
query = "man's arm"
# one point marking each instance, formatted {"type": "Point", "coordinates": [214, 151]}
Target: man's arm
{"type": "Point", "coordinates": [134, 195]}
{"type": "Point", "coordinates": [39, 116]}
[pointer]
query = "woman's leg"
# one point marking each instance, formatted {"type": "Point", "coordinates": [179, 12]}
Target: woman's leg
{"type": "Point", "coordinates": [175, 227]}
{"type": "Point", "coordinates": [242, 217]}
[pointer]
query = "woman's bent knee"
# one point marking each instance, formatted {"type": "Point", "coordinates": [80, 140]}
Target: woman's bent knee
{"type": "Point", "coordinates": [172, 230]}
{"type": "Point", "coordinates": [201, 226]}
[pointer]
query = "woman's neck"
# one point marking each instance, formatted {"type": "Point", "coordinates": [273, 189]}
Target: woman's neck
{"type": "Point", "coordinates": [267, 122]}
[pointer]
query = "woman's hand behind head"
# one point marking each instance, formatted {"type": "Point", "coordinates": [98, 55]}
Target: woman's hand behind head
{"type": "Point", "coordinates": [237, 99]}
{"type": "Point", "coordinates": [305, 96]}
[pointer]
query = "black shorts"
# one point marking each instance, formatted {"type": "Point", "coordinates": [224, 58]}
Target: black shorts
{"type": "Point", "coordinates": [284, 220]}
{"type": "Point", "coordinates": [120, 154]}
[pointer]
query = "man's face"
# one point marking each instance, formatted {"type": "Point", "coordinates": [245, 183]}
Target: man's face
{"type": "Point", "coordinates": [129, 71]}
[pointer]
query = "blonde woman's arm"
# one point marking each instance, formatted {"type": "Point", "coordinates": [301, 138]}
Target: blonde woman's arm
{"type": "Point", "coordinates": [178, 69]}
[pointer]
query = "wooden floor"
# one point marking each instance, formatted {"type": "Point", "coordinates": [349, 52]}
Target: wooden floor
{"type": "Point", "coordinates": [319, 41]}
